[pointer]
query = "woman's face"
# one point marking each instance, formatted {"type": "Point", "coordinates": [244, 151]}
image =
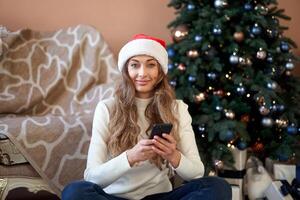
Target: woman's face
{"type": "Point", "coordinates": [144, 72]}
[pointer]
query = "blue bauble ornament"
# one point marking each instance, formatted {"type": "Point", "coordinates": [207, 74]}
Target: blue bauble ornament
{"type": "Point", "coordinates": [217, 30]}
{"type": "Point", "coordinates": [248, 6]}
{"type": "Point", "coordinates": [173, 83]}
{"type": "Point", "coordinates": [241, 90]}
{"type": "Point", "coordinates": [226, 136]}
{"type": "Point", "coordinates": [219, 108]}
{"type": "Point", "coordinates": [256, 29]}
{"type": "Point", "coordinates": [272, 85]}
{"type": "Point", "coordinates": [170, 66]}
{"type": "Point", "coordinates": [171, 52]}
{"type": "Point", "coordinates": [241, 145]}
{"type": "Point", "coordinates": [234, 59]}
{"type": "Point", "coordinates": [280, 108]}
{"type": "Point", "coordinates": [211, 75]}
{"type": "Point", "coordinates": [275, 20]}
{"type": "Point", "coordinates": [220, 3]}
{"type": "Point", "coordinates": [289, 65]}
{"type": "Point", "coordinates": [198, 38]}
{"type": "Point", "coordinates": [284, 46]}
{"type": "Point", "coordinates": [190, 6]}
{"type": "Point", "coordinates": [270, 58]}
{"type": "Point", "coordinates": [291, 129]}
{"type": "Point", "coordinates": [267, 122]}
{"type": "Point", "coordinates": [201, 128]}
{"type": "Point", "coordinates": [192, 78]}
{"type": "Point", "coordinates": [272, 33]}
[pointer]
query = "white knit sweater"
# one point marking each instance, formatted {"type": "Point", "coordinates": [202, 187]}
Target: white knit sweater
{"type": "Point", "coordinates": [115, 175]}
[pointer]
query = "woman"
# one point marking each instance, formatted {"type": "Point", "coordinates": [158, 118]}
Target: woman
{"type": "Point", "coordinates": [123, 163]}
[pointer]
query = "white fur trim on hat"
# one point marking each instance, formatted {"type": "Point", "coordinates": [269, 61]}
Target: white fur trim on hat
{"type": "Point", "coordinates": [144, 47]}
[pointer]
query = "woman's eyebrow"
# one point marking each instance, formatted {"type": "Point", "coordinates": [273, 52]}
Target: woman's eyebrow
{"type": "Point", "coordinates": [151, 59]}
{"type": "Point", "coordinates": [133, 60]}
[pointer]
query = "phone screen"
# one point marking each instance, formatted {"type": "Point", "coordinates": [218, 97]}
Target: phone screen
{"type": "Point", "coordinates": [159, 129]}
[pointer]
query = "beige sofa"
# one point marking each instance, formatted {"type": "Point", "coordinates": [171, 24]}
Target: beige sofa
{"type": "Point", "coordinates": [50, 83]}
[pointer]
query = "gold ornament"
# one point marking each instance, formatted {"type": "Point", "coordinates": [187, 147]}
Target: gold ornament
{"type": "Point", "coordinates": [261, 100]}
{"type": "Point", "coordinates": [192, 53]}
{"type": "Point", "coordinates": [258, 147]}
{"type": "Point", "coordinates": [180, 32]}
{"type": "Point", "coordinates": [200, 97]}
{"type": "Point", "coordinates": [219, 93]}
{"type": "Point", "coordinates": [219, 164]}
{"type": "Point", "coordinates": [263, 110]}
{"type": "Point", "coordinates": [245, 118]}
{"type": "Point", "coordinates": [229, 114]}
{"type": "Point", "coordinates": [239, 36]}
{"type": "Point", "coordinates": [181, 67]}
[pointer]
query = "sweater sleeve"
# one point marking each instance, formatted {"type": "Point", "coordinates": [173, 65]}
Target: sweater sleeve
{"type": "Point", "coordinates": [99, 169]}
{"type": "Point", "coordinates": [190, 165]}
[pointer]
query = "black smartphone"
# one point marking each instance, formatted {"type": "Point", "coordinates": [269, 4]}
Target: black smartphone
{"type": "Point", "coordinates": [159, 129]}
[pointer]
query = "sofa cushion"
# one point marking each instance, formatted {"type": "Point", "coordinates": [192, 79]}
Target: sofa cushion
{"type": "Point", "coordinates": [50, 84]}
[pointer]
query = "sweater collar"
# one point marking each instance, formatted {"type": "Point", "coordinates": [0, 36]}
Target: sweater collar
{"type": "Point", "coordinates": [142, 102]}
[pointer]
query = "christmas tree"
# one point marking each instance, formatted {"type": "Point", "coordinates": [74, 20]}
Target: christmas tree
{"type": "Point", "coordinates": [231, 63]}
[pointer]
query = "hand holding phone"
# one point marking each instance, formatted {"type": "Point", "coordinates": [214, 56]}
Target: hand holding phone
{"type": "Point", "coordinates": [159, 129]}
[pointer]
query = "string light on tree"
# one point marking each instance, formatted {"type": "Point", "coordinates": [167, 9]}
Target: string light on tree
{"type": "Point", "coordinates": [261, 9]}
{"type": "Point", "coordinates": [281, 123]}
{"type": "Point", "coordinates": [243, 62]}
{"type": "Point", "coordinates": [272, 33]}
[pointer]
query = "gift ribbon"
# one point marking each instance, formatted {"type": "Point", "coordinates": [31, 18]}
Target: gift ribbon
{"type": "Point", "coordinates": [239, 174]}
{"type": "Point", "coordinates": [293, 190]}
{"type": "Point", "coordinates": [298, 173]}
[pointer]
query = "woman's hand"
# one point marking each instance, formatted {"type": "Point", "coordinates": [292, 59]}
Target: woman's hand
{"type": "Point", "coordinates": [140, 152]}
{"type": "Point", "coordinates": [166, 147]}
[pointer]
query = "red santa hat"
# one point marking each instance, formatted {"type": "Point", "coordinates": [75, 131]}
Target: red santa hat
{"type": "Point", "coordinates": [144, 45]}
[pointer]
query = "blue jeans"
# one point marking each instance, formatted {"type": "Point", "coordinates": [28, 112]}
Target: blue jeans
{"type": "Point", "coordinates": [206, 188]}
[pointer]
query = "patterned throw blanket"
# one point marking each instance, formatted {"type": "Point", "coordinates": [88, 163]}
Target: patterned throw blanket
{"type": "Point", "coordinates": [50, 83]}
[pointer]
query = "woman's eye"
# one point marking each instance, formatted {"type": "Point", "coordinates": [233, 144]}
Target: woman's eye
{"type": "Point", "coordinates": [151, 64]}
{"type": "Point", "coordinates": [133, 65]}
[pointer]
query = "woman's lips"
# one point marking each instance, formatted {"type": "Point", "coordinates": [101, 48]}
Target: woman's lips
{"type": "Point", "coordinates": [141, 82]}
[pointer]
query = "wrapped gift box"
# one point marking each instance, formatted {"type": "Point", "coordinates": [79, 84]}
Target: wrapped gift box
{"type": "Point", "coordinates": [235, 175]}
{"type": "Point", "coordinates": [274, 192]}
{"type": "Point", "coordinates": [236, 192]}
{"type": "Point", "coordinates": [283, 171]}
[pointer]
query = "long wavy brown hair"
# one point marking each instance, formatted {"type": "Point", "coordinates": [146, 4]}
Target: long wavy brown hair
{"type": "Point", "coordinates": [123, 127]}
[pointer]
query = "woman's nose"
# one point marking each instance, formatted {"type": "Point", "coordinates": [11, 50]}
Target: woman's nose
{"type": "Point", "coordinates": [142, 71]}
